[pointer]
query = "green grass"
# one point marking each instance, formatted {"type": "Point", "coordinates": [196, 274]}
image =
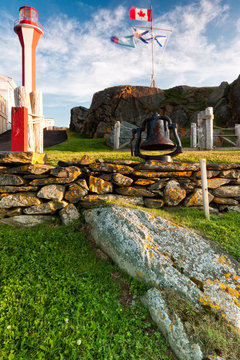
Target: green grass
{"type": "Point", "coordinates": [78, 145]}
{"type": "Point", "coordinates": [59, 301]}
{"type": "Point", "coordinates": [224, 229]}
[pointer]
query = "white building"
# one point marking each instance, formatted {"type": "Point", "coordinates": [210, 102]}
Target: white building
{"type": "Point", "coordinates": [7, 86]}
{"type": "Point", "coordinates": [48, 124]}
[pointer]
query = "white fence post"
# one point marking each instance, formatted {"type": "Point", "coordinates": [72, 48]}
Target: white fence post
{"type": "Point", "coordinates": [205, 129]}
{"type": "Point", "coordinates": [208, 117]}
{"type": "Point", "coordinates": [237, 132]}
{"type": "Point", "coordinates": [204, 187]}
{"type": "Point", "coordinates": [37, 120]}
{"type": "Point", "coordinates": [193, 138]}
{"type": "Point", "coordinates": [116, 135]}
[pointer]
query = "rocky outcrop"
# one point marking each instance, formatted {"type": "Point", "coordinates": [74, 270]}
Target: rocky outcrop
{"type": "Point", "coordinates": [132, 104]}
{"type": "Point", "coordinates": [78, 115]}
{"type": "Point", "coordinates": [166, 256]}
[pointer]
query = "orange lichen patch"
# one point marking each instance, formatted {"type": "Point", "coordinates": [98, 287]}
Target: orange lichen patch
{"type": "Point", "coordinates": [99, 186]}
{"type": "Point", "coordinates": [148, 238]}
{"type": "Point", "coordinates": [139, 274]}
{"type": "Point", "coordinates": [144, 182]}
{"type": "Point", "coordinates": [209, 281]}
{"type": "Point", "coordinates": [234, 276]}
{"type": "Point", "coordinates": [151, 255]}
{"type": "Point", "coordinates": [171, 326]}
{"type": "Point", "coordinates": [159, 312]}
{"type": "Point", "coordinates": [153, 174]}
{"type": "Point", "coordinates": [149, 246]}
{"type": "Point", "coordinates": [126, 91]}
{"type": "Point", "coordinates": [223, 260]}
{"type": "Point", "coordinates": [205, 301]}
{"type": "Point", "coordinates": [231, 291]}
{"type": "Point", "coordinates": [38, 158]}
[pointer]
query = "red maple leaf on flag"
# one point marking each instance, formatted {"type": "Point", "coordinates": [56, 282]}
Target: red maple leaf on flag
{"type": "Point", "coordinates": [141, 13]}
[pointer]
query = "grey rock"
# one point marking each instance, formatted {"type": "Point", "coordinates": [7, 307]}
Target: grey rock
{"type": "Point", "coordinates": [19, 200]}
{"type": "Point", "coordinates": [24, 157]}
{"type": "Point", "coordinates": [214, 183]}
{"type": "Point", "coordinates": [92, 201]}
{"type": "Point", "coordinates": [173, 193]}
{"type": "Point", "coordinates": [231, 174]}
{"type": "Point", "coordinates": [27, 220]}
{"type": "Point", "coordinates": [8, 179]}
{"type": "Point", "coordinates": [35, 169]}
{"type": "Point", "coordinates": [121, 180]}
{"type": "Point", "coordinates": [153, 203]}
{"type": "Point", "coordinates": [46, 208]}
{"type": "Point", "coordinates": [10, 212]}
{"type": "Point", "coordinates": [82, 183]}
{"type": "Point", "coordinates": [196, 198]}
{"type": "Point", "coordinates": [234, 208]}
{"type": "Point", "coordinates": [160, 253]}
{"type": "Point", "coordinates": [74, 193]}
{"type": "Point", "coordinates": [51, 192]}
{"type": "Point", "coordinates": [78, 115]}
{"type": "Point", "coordinates": [99, 186]}
{"type": "Point", "coordinates": [69, 214]}
{"type": "Point", "coordinates": [174, 332]}
{"type": "Point", "coordinates": [222, 112]}
{"type": "Point", "coordinates": [227, 191]}
{"type": "Point", "coordinates": [220, 92]}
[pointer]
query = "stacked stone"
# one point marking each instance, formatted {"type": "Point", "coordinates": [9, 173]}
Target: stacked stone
{"type": "Point", "coordinates": [32, 192]}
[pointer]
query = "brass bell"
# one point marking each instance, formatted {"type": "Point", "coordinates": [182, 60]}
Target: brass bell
{"type": "Point", "coordinates": [157, 138]}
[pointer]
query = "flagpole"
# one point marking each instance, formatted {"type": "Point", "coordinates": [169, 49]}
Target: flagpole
{"type": "Point", "coordinates": [153, 83]}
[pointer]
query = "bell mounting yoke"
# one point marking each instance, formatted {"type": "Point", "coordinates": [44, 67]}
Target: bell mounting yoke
{"type": "Point", "coordinates": [138, 131]}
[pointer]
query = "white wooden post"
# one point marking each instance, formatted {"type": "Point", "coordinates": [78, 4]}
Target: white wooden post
{"type": "Point", "coordinates": [237, 132]}
{"type": "Point", "coordinates": [193, 138]}
{"type": "Point", "coordinates": [208, 117]}
{"type": "Point", "coordinates": [200, 131]}
{"type": "Point", "coordinates": [37, 120]}
{"type": "Point", "coordinates": [22, 97]}
{"type": "Point", "coordinates": [205, 129]}
{"type": "Point", "coordinates": [116, 135]}
{"type": "Point", "coordinates": [204, 187]}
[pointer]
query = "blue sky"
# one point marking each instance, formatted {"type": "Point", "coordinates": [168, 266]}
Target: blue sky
{"type": "Point", "coordinates": [75, 57]}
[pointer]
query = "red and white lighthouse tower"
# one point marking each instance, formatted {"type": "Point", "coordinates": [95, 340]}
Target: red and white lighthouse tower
{"type": "Point", "coordinates": [29, 32]}
{"type": "Point", "coordinates": [27, 127]}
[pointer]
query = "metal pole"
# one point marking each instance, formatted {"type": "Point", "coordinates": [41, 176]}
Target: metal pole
{"type": "Point", "coordinates": [153, 83]}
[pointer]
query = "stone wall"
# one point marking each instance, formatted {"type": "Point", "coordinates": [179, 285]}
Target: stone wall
{"type": "Point", "coordinates": [32, 192]}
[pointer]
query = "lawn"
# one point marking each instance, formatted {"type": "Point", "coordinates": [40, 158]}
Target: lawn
{"type": "Point", "coordinates": [59, 301]}
{"type": "Point", "coordinates": [78, 145]}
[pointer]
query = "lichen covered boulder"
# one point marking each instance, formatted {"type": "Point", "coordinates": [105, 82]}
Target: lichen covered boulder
{"type": "Point", "coordinates": [164, 255]}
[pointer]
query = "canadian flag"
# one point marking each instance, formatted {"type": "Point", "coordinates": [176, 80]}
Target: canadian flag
{"type": "Point", "coordinates": [140, 14]}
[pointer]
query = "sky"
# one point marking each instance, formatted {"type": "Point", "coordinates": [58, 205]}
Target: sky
{"type": "Point", "coordinates": [75, 57]}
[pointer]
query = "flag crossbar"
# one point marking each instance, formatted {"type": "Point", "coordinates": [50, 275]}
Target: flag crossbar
{"type": "Point", "coordinates": [149, 27]}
